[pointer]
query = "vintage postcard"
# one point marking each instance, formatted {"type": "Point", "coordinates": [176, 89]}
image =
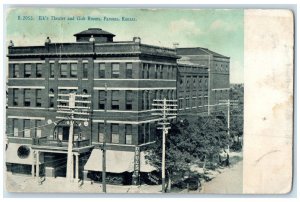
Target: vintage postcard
{"type": "Point", "coordinates": [115, 100]}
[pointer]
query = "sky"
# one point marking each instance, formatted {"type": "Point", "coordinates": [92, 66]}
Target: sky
{"type": "Point", "coordinates": [220, 30]}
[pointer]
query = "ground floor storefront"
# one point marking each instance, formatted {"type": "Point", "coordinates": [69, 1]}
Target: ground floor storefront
{"type": "Point", "coordinates": [121, 167]}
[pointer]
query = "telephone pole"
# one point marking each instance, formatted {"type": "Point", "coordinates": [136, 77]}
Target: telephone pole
{"type": "Point", "coordinates": [228, 103]}
{"type": "Point", "coordinates": [104, 145]}
{"type": "Point", "coordinates": [68, 104]}
{"type": "Point", "coordinates": [167, 110]}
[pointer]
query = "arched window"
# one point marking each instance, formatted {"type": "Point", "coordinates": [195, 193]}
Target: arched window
{"type": "Point", "coordinates": [84, 91]}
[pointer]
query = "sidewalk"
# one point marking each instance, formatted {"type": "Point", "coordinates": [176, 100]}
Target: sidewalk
{"type": "Point", "coordinates": [24, 183]}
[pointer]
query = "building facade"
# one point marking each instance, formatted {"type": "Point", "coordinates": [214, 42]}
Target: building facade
{"type": "Point", "coordinates": [117, 82]}
{"type": "Point", "coordinates": [216, 80]}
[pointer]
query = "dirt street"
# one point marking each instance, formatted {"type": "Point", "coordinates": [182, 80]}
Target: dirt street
{"type": "Point", "coordinates": [229, 181]}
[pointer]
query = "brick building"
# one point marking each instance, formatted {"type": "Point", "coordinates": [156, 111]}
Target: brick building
{"type": "Point", "coordinates": [120, 79]}
{"type": "Point", "coordinates": [214, 77]}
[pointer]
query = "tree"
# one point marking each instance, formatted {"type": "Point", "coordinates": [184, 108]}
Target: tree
{"type": "Point", "coordinates": [189, 142]}
{"type": "Point", "coordinates": [237, 115]}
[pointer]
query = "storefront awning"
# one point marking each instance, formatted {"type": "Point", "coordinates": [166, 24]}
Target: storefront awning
{"type": "Point", "coordinates": [13, 157]}
{"type": "Point", "coordinates": [144, 164]}
{"type": "Point", "coordinates": [116, 161]}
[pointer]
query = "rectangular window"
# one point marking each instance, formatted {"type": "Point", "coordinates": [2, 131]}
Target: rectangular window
{"type": "Point", "coordinates": [115, 73]}
{"type": "Point", "coordinates": [101, 72]}
{"type": "Point", "coordinates": [63, 70]}
{"type": "Point", "coordinates": [155, 71]}
{"type": "Point", "coordinates": [16, 71]}
{"type": "Point", "coordinates": [15, 127]}
{"type": "Point", "coordinates": [180, 103]}
{"type": "Point", "coordinates": [39, 70]}
{"type": "Point", "coordinates": [174, 70]}
{"type": "Point", "coordinates": [129, 70]}
{"type": "Point", "coordinates": [129, 98]}
{"type": "Point", "coordinates": [168, 69]}
{"type": "Point", "coordinates": [142, 97]}
{"type": "Point", "coordinates": [115, 99]}
{"type": "Point", "coordinates": [102, 99]}
{"type": "Point", "coordinates": [101, 132]}
{"type": "Point", "coordinates": [51, 102]}
{"type": "Point", "coordinates": [115, 133]}
{"type": "Point", "coordinates": [141, 133]}
{"type": "Point", "coordinates": [52, 65]}
{"type": "Point", "coordinates": [85, 70]}
{"type": "Point", "coordinates": [194, 102]}
{"type": "Point", "coordinates": [38, 98]}
{"type": "Point", "coordinates": [143, 71]}
{"type": "Point", "coordinates": [63, 91]}
{"type": "Point", "coordinates": [27, 71]}
{"type": "Point", "coordinates": [200, 101]}
{"type": "Point", "coordinates": [26, 128]}
{"type": "Point", "coordinates": [188, 102]}
{"type": "Point", "coordinates": [161, 71]}
{"type": "Point", "coordinates": [128, 134]}
{"type": "Point", "coordinates": [38, 130]}
{"type": "Point", "coordinates": [73, 72]}
{"type": "Point", "coordinates": [27, 97]}
{"type": "Point", "coordinates": [15, 97]}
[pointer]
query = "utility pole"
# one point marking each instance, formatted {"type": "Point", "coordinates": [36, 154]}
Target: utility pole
{"type": "Point", "coordinates": [166, 109]}
{"type": "Point", "coordinates": [104, 145]}
{"type": "Point", "coordinates": [67, 105]}
{"type": "Point", "coordinates": [70, 161]}
{"type": "Point", "coordinates": [228, 103]}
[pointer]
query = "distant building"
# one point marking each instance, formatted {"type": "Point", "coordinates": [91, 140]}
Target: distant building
{"type": "Point", "coordinates": [216, 81]}
{"type": "Point", "coordinates": [122, 78]}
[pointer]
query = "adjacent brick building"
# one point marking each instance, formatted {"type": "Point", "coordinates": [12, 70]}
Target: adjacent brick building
{"type": "Point", "coordinates": [121, 80]}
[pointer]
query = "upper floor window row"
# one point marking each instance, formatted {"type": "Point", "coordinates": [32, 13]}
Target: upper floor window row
{"type": "Point", "coordinates": [158, 71]}
{"type": "Point", "coordinates": [26, 70]}
{"type": "Point", "coordinates": [36, 70]}
{"type": "Point", "coordinates": [113, 70]}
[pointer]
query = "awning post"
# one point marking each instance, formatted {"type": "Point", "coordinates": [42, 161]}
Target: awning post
{"type": "Point", "coordinates": [33, 164]}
